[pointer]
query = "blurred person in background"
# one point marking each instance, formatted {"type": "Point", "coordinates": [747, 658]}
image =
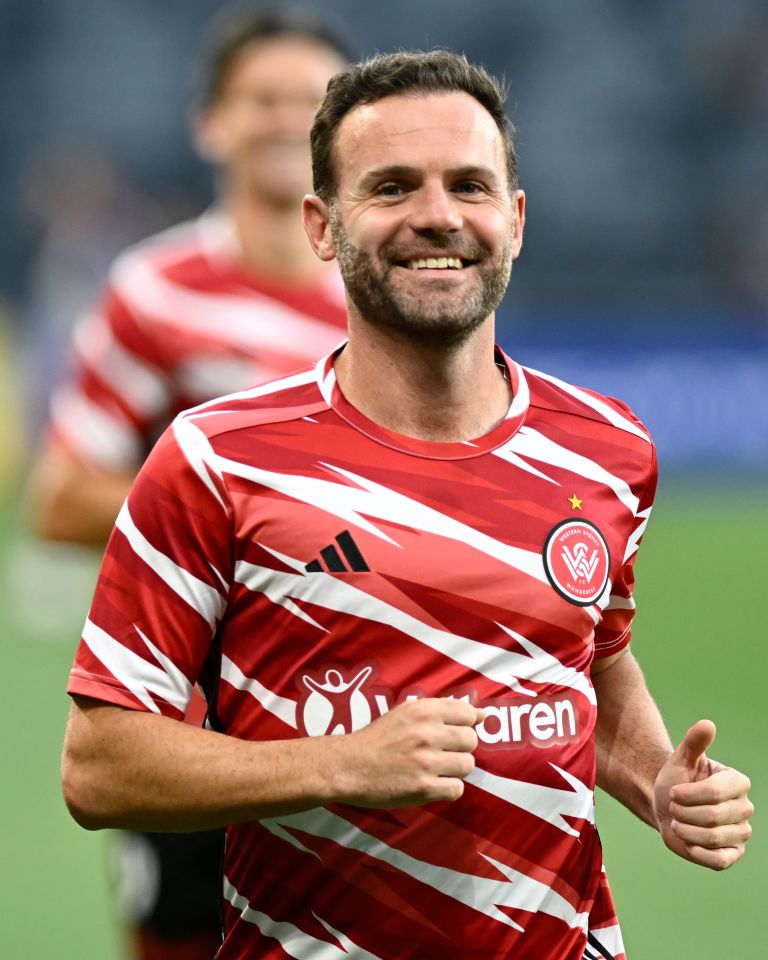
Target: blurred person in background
{"type": "Point", "coordinates": [230, 299]}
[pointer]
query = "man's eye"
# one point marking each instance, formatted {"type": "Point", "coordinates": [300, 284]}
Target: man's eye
{"type": "Point", "coordinates": [469, 187]}
{"type": "Point", "coordinates": [390, 190]}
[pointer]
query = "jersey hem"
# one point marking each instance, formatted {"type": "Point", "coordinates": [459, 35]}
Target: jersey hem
{"type": "Point", "coordinates": [102, 689]}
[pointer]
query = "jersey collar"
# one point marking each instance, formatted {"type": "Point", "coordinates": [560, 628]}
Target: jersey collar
{"type": "Point", "coordinates": [464, 450]}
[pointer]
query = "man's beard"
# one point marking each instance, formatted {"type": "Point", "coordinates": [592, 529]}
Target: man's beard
{"type": "Point", "coordinates": [425, 318]}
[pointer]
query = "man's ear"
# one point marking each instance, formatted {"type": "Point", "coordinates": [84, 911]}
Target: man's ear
{"type": "Point", "coordinates": [207, 135]}
{"type": "Point", "coordinates": [317, 224]}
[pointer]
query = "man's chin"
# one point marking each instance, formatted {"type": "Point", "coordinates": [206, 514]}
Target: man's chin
{"type": "Point", "coordinates": [430, 330]}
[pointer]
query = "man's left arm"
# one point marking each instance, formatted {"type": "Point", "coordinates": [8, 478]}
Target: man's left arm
{"type": "Point", "coordinates": [699, 806]}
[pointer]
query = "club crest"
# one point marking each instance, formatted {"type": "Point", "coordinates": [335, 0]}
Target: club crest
{"type": "Point", "coordinates": [577, 561]}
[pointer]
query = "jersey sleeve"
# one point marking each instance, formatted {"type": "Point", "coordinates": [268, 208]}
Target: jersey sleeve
{"type": "Point", "coordinates": [613, 632]}
{"type": "Point", "coordinates": [105, 410]}
{"type": "Point", "coordinates": [164, 581]}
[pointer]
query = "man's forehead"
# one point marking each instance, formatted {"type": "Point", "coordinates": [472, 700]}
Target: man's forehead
{"type": "Point", "coordinates": [396, 125]}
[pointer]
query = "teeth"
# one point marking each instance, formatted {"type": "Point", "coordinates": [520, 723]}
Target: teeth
{"type": "Point", "coordinates": [436, 263]}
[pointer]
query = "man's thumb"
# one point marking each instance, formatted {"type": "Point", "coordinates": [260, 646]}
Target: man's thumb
{"type": "Point", "coordinates": [694, 744]}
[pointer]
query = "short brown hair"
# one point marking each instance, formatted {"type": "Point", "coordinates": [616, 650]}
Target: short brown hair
{"type": "Point", "coordinates": [238, 26]}
{"type": "Point", "coordinates": [403, 73]}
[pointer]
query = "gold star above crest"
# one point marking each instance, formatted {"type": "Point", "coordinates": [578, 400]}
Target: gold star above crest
{"type": "Point", "coordinates": [575, 502]}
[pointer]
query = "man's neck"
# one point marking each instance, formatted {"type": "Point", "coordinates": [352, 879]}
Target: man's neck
{"type": "Point", "coordinates": [427, 393]}
{"type": "Point", "coordinates": [271, 239]}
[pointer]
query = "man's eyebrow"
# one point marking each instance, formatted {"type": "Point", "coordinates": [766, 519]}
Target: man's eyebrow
{"type": "Point", "coordinates": [474, 170]}
{"type": "Point", "coordinates": [385, 173]}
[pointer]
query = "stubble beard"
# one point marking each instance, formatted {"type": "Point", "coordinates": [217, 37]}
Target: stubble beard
{"type": "Point", "coordinates": [427, 319]}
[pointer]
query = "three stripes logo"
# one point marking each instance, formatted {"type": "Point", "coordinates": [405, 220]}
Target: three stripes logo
{"type": "Point", "coordinates": [332, 559]}
{"type": "Point", "coordinates": [595, 950]}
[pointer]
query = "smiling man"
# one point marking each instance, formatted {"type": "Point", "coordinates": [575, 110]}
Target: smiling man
{"type": "Point", "coordinates": [404, 579]}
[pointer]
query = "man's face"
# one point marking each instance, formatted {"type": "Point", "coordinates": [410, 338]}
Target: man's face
{"type": "Point", "coordinates": [423, 225]}
{"type": "Point", "coordinates": [257, 130]}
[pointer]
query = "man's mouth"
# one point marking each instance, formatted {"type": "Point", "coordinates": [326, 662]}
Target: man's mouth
{"type": "Point", "coordinates": [436, 263]}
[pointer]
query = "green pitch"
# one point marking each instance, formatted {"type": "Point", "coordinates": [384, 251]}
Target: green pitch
{"type": "Point", "coordinates": [700, 635]}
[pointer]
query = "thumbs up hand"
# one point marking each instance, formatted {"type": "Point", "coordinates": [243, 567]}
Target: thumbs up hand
{"type": "Point", "coordinates": [702, 807]}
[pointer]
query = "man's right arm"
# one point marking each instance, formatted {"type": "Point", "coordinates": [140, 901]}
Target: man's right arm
{"type": "Point", "coordinates": [71, 501]}
{"type": "Point", "coordinates": [130, 769]}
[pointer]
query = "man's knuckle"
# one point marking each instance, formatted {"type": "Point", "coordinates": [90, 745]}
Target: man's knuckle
{"type": "Point", "coordinates": [717, 838]}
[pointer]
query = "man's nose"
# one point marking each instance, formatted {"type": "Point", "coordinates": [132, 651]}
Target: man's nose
{"type": "Point", "coordinates": [436, 210]}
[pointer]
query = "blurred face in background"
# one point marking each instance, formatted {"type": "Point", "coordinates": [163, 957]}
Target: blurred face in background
{"type": "Point", "coordinates": [257, 129]}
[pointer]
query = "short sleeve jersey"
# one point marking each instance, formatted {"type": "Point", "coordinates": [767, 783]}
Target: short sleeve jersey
{"type": "Point", "coordinates": [314, 570]}
{"type": "Point", "coordinates": [181, 321]}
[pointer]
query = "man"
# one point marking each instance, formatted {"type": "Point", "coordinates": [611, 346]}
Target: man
{"type": "Point", "coordinates": [231, 299]}
{"type": "Point", "coordinates": [404, 579]}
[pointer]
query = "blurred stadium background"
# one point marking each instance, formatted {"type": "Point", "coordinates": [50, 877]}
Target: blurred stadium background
{"type": "Point", "coordinates": [643, 133]}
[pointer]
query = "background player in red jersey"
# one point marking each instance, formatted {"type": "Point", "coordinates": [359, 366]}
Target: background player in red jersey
{"type": "Point", "coordinates": [452, 464]}
{"type": "Point", "coordinates": [231, 299]}
{"type": "Point", "coordinates": [209, 306]}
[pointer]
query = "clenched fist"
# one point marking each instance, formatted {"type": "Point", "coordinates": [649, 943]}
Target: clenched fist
{"type": "Point", "coordinates": [420, 752]}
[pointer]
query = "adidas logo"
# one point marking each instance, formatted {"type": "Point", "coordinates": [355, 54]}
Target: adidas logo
{"type": "Point", "coordinates": [332, 561]}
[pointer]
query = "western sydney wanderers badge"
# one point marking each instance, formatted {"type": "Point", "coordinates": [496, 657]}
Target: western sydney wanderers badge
{"type": "Point", "coordinates": [576, 560]}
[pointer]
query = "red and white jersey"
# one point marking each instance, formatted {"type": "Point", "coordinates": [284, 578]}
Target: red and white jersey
{"type": "Point", "coordinates": [313, 570]}
{"type": "Point", "coordinates": [180, 322]}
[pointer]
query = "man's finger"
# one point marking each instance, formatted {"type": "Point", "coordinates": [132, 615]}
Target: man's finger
{"type": "Point", "coordinates": [461, 713]}
{"type": "Point", "coordinates": [719, 859]}
{"type": "Point", "coordinates": [695, 744]}
{"type": "Point", "coordinates": [713, 814]}
{"type": "Point", "coordinates": [713, 838]}
{"type": "Point", "coordinates": [727, 784]}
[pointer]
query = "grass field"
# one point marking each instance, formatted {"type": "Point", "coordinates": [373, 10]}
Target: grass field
{"type": "Point", "coordinates": [700, 635]}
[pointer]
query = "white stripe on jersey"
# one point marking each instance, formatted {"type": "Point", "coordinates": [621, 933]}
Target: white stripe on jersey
{"type": "Point", "coordinates": [522, 397]}
{"type": "Point", "coordinates": [253, 321]}
{"type": "Point", "coordinates": [634, 538]}
{"type": "Point", "coordinates": [530, 443]}
{"type": "Point", "coordinates": [547, 803]}
{"type": "Point", "coordinates": [330, 593]}
{"type": "Point", "coordinates": [551, 668]}
{"type": "Point", "coordinates": [283, 708]}
{"type": "Point", "coordinates": [136, 674]}
{"type": "Point", "coordinates": [196, 447]}
{"type": "Point", "coordinates": [506, 454]}
{"type": "Point", "coordinates": [102, 438]}
{"type": "Point", "coordinates": [141, 386]}
{"type": "Point", "coordinates": [204, 599]}
{"type": "Point", "coordinates": [482, 894]}
{"type": "Point", "coordinates": [600, 406]}
{"type": "Point", "coordinates": [296, 943]}
{"type": "Point", "coordinates": [621, 603]}
{"type": "Point", "coordinates": [325, 381]}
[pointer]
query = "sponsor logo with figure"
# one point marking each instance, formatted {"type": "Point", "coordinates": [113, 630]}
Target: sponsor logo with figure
{"type": "Point", "coordinates": [337, 701]}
